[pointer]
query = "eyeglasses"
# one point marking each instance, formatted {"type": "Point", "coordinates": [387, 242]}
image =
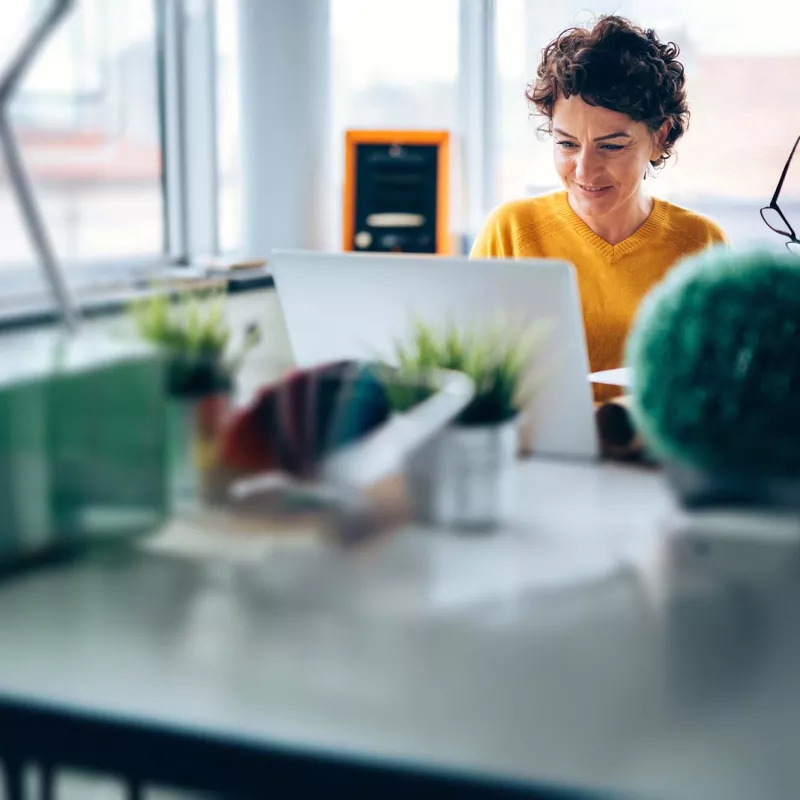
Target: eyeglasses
{"type": "Point", "coordinates": [774, 217]}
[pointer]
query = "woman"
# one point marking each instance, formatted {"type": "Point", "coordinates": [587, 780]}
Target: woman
{"type": "Point", "coordinates": [614, 100]}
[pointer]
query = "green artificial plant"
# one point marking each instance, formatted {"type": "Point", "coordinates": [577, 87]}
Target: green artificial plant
{"type": "Point", "coordinates": [498, 357]}
{"type": "Point", "coordinates": [715, 359]}
{"type": "Point", "coordinates": [193, 332]}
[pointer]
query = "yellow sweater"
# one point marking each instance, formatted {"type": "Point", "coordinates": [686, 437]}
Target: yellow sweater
{"type": "Point", "coordinates": [612, 279]}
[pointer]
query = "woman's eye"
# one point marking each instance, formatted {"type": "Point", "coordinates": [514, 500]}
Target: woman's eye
{"type": "Point", "coordinates": [612, 147]}
{"type": "Point", "coordinates": [566, 145]}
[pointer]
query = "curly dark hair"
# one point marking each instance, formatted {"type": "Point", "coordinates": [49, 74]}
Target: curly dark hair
{"type": "Point", "coordinates": [619, 66]}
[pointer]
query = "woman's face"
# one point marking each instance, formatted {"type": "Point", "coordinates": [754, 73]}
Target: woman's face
{"type": "Point", "coordinates": [601, 156]}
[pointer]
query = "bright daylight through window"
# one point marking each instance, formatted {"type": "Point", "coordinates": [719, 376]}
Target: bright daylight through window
{"type": "Point", "coordinates": [89, 114]}
{"type": "Point", "coordinates": [391, 71]}
{"type": "Point", "coordinates": [744, 94]}
{"type": "Point", "coordinates": [87, 119]}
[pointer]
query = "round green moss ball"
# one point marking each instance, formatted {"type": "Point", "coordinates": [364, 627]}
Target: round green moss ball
{"type": "Point", "coordinates": [715, 357]}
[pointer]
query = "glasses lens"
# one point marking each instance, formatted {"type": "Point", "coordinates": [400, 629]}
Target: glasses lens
{"type": "Point", "coordinates": [793, 247]}
{"type": "Point", "coordinates": [775, 221]}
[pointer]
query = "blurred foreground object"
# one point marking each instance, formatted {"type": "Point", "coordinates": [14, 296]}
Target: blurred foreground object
{"type": "Point", "coordinates": [193, 333]}
{"type": "Point", "coordinates": [464, 476]}
{"type": "Point", "coordinates": [295, 423]}
{"type": "Point", "coordinates": [715, 358]}
{"type": "Point", "coordinates": [82, 446]}
{"type": "Point", "coordinates": [329, 439]}
{"type": "Point", "coordinates": [82, 421]}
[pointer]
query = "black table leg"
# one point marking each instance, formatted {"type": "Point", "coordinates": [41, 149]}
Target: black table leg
{"type": "Point", "coordinates": [48, 782]}
{"type": "Point", "coordinates": [12, 774]}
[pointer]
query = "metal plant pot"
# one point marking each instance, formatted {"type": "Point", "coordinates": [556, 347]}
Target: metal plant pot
{"type": "Point", "coordinates": [464, 477]}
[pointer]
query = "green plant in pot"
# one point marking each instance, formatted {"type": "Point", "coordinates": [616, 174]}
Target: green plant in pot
{"type": "Point", "coordinates": [464, 477]}
{"type": "Point", "coordinates": [201, 368]}
{"type": "Point", "coordinates": [715, 358]}
{"type": "Point", "coordinates": [194, 334]}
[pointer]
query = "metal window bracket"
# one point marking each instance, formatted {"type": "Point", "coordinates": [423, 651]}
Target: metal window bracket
{"type": "Point", "coordinates": [20, 182]}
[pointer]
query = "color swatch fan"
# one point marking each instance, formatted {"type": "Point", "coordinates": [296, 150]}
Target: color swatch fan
{"type": "Point", "coordinates": [337, 425]}
{"type": "Point", "coordinates": [293, 425]}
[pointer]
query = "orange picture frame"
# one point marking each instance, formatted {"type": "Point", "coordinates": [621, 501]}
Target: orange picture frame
{"type": "Point", "coordinates": [438, 138]}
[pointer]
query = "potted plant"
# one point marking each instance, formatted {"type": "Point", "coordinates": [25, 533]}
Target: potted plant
{"type": "Point", "coordinates": [195, 337]}
{"type": "Point", "coordinates": [715, 359]}
{"type": "Point", "coordinates": [464, 477]}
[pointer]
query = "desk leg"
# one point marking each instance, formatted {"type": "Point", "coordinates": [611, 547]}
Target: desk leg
{"type": "Point", "coordinates": [48, 782]}
{"type": "Point", "coordinates": [12, 779]}
{"type": "Point", "coordinates": [135, 789]}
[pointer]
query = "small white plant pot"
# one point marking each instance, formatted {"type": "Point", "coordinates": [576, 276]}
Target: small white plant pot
{"type": "Point", "coordinates": [464, 477]}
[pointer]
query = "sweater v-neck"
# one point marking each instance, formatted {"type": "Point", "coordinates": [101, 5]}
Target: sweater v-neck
{"type": "Point", "coordinates": [611, 252]}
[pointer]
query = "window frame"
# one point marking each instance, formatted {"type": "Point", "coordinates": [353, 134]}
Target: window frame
{"type": "Point", "coordinates": [187, 74]}
{"type": "Point", "coordinates": [478, 109]}
{"type": "Point", "coordinates": [186, 94]}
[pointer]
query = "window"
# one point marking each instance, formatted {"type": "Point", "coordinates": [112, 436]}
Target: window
{"type": "Point", "coordinates": [87, 121]}
{"type": "Point", "coordinates": [744, 94]}
{"type": "Point", "coordinates": [128, 123]}
{"type": "Point", "coordinates": [228, 115]}
{"type": "Point", "coordinates": [392, 67]}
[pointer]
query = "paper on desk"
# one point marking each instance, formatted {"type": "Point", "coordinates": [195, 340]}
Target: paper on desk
{"type": "Point", "coordinates": [217, 536]}
{"type": "Point", "coordinates": [612, 377]}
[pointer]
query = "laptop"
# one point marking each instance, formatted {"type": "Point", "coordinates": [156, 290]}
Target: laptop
{"type": "Point", "coordinates": [356, 305]}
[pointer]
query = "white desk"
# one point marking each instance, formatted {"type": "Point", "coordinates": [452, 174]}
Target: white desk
{"type": "Point", "coordinates": [534, 654]}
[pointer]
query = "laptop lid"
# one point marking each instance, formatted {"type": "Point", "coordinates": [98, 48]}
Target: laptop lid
{"type": "Point", "coordinates": [356, 305]}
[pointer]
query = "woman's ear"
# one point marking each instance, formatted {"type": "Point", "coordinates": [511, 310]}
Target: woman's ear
{"type": "Point", "coordinates": [659, 140]}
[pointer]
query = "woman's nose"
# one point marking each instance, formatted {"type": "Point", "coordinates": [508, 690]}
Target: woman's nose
{"type": "Point", "coordinates": [586, 165]}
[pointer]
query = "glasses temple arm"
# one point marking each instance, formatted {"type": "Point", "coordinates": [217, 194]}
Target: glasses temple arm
{"type": "Point", "coordinates": [783, 174]}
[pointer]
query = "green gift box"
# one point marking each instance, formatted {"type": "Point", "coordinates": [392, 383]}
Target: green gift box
{"type": "Point", "coordinates": [82, 445]}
